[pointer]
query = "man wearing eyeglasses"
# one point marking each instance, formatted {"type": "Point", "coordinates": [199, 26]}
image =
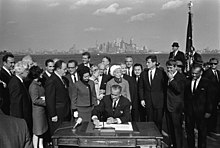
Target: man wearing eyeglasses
{"type": "Point", "coordinates": [113, 108]}
{"type": "Point", "coordinates": [213, 74]}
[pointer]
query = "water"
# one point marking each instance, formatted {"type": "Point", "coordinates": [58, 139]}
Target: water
{"type": "Point", "coordinates": [116, 58]}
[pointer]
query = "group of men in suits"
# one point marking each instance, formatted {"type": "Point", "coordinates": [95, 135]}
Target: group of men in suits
{"type": "Point", "coordinates": [152, 92]}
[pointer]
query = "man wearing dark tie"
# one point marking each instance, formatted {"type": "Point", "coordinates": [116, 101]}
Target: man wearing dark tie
{"type": "Point", "coordinates": [213, 75]}
{"type": "Point", "coordinates": [57, 97]}
{"type": "Point", "coordinates": [72, 77]}
{"type": "Point", "coordinates": [137, 72]}
{"type": "Point", "coordinates": [107, 61]}
{"type": "Point", "coordinates": [198, 98]}
{"type": "Point", "coordinates": [21, 103]}
{"type": "Point", "coordinates": [129, 66]}
{"type": "Point", "coordinates": [176, 54]}
{"type": "Point", "coordinates": [152, 91]}
{"type": "Point", "coordinates": [49, 68]}
{"type": "Point", "coordinates": [5, 76]}
{"type": "Point", "coordinates": [113, 108]}
{"type": "Point", "coordinates": [174, 103]}
{"type": "Point", "coordinates": [133, 88]}
{"type": "Point", "coordinates": [86, 57]}
{"type": "Point", "coordinates": [103, 78]}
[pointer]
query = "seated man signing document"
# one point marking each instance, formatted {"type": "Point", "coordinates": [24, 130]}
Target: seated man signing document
{"type": "Point", "coordinates": [113, 108]}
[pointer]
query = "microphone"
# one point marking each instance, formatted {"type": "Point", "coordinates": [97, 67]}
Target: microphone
{"type": "Point", "coordinates": [78, 122]}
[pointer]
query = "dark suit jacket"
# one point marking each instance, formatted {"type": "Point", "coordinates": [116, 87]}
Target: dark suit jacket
{"type": "Point", "coordinates": [210, 75]}
{"type": "Point", "coordinates": [105, 79]}
{"type": "Point", "coordinates": [14, 132]}
{"type": "Point", "coordinates": [155, 93]}
{"type": "Point", "coordinates": [45, 77]}
{"type": "Point", "coordinates": [200, 102]}
{"type": "Point", "coordinates": [57, 98]}
{"type": "Point", "coordinates": [5, 77]}
{"type": "Point", "coordinates": [21, 104]}
{"type": "Point", "coordinates": [197, 58]}
{"type": "Point", "coordinates": [70, 84]}
{"type": "Point", "coordinates": [104, 110]}
{"type": "Point", "coordinates": [175, 93]}
{"type": "Point", "coordinates": [179, 56]}
{"type": "Point", "coordinates": [133, 91]}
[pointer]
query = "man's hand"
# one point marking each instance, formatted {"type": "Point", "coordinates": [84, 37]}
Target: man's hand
{"type": "Point", "coordinates": [96, 123]}
{"type": "Point", "coordinates": [111, 120]}
{"type": "Point", "coordinates": [55, 119]}
{"type": "Point", "coordinates": [170, 75]}
{"type": "Point", "coordinates": [143, 103]}
{"type": "Point", "coordinates": [207, 115]}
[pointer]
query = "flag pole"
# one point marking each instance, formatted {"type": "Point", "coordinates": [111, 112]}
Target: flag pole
{"type": "Point", "coordinates": [189, 41]}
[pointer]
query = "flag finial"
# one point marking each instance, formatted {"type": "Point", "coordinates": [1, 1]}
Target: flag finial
{"type": "Point", "coordinates": [190, 4]}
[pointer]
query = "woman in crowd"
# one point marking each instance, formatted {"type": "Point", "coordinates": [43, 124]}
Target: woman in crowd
{"type": "Point", "coordinates": [36, 91]}
{"type": "Point", "coordinates": [84, 95]}
{"type": "Point", "coordinates": [116, 72]}
{"type": "Point", "coordinates": [95, 78]}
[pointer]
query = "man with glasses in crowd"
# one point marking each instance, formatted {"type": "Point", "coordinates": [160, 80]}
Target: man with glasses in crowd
{"type": "Point", "coordinates": [213, 74]}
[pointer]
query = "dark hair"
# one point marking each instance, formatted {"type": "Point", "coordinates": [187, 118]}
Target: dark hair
{"type": "Point", "coordinates": [108, 58]}
{"type": "Point", "coordinates": [128, 57]}
{"type": "Point", "coordinates": [171, 62]}
{"type": "Point", "coordinates": [196, 65]}
{"type": "Point", "coordinates": [152, 57]}
{"type": "Point", "coordinates": [212, 59]}
{"type": "Point", "coordinates": [138, 64]}
{"type": "Point", "coordinates": [86, 53]}
{"type": "Point", "coordinates": [48, 61]}
{"type": "Point", "coordinates": [116, 86]}
{"type": "Point", "coordinates": [58, 64]}
{"type": "Point", "coordinates": [35, 72]}
{"type": "Point", "coordinates": [5, 57]}
{"type": "Point", "coordinates": [73, 61]}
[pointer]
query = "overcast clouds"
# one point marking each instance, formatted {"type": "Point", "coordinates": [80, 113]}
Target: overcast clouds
{"type": "Point", "coordinates": [58, 24]}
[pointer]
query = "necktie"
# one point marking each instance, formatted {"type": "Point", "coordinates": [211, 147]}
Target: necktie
{"type": "Point", "coordinates": [150, 80]}
{"type": "Point", "coordinates": [128, 71]}
{"type": "Point", "coordinates": [194, 86]}
{"type": "Point", "coordinates": [216, 75]}
{"type": "Point", "coordinates": [114, 105]}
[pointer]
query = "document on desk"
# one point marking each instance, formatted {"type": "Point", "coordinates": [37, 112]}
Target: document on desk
{"type": "Point", "coordinates": [117, 127]}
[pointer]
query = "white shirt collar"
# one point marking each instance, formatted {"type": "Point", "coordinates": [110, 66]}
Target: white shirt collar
{"type": "Point", "coordinates": [58, 76]}
{"type": "Point", "coordinates": [48, 74]}
{"type": "Point", "coordinates": [175, 52]}
{"type": "Point", "coordinates": [19, 78]}
{"type": "Point", "coordinates": [153, 72]}
{"type": "Point", "coordinates": [6, 70]}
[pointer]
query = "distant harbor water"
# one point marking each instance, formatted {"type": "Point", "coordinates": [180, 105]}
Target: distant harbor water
{"type": "Point", "coordinates": [116, 58]}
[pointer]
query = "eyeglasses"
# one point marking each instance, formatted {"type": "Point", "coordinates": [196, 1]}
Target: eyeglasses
{"type": "Point", "coordinates": [213, 63]}
{"type": "Point", "coordinates": [179, 66]}
{"type": "Point", "coordinates": [71, 67]}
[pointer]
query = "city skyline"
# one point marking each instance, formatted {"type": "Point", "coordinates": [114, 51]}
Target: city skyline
{"type": "Point", "coordinates": [62, 24]}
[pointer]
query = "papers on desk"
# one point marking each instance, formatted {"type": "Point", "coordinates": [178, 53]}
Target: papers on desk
{"type": "Point", "coordinates": [117, 127]}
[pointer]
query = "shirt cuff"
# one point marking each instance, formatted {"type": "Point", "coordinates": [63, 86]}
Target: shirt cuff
{"type": "Point", "coordinates": [118, 120]}
{"type": "Point", "coordinates": [94, 117]}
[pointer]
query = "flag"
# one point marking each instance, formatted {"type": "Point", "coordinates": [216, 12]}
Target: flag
{"type": "Point", "coordinates": [189, 42]}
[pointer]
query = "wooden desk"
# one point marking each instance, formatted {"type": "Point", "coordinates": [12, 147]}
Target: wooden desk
{"type": "Point", "coordinates": [144, 134]}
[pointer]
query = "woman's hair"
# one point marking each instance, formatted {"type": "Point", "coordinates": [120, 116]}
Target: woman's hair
{"type": "Point", "coordinates": [35, 72]}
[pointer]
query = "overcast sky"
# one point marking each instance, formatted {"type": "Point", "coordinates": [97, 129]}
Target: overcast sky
{"type": "Point", "coordinates": [58, 24]}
